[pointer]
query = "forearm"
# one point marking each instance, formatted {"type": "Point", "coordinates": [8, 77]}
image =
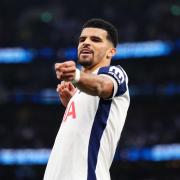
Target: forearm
{"type": "Point", "coordinates": [95, 85]}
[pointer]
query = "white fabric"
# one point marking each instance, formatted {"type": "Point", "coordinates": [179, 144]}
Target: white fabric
{"type": "Point", "coordinates": [69, 156]}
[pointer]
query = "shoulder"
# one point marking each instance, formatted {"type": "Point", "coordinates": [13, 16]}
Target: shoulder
{"type": "Point", "coordinates": [118, 76]}
{"type": "Point", "coordinates": [117, 72]}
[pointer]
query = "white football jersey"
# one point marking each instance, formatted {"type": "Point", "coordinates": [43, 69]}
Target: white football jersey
{"type": "Point", "coordinates": [89, 133]}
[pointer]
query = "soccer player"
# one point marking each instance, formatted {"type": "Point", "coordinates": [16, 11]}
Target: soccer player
{"type": "Point", "coordinates": [96, 99]}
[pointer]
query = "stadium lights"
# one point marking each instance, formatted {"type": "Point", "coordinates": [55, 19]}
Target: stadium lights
{"type": "Point", "coordinates": [41, 156]}
{"type": "Point", "coordinates": [124, 51]}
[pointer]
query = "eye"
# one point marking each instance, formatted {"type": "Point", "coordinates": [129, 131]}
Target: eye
{"type": "Point", "coordinates": [96, 39]}
{"type": "Point", "coordinates": [81, 39]}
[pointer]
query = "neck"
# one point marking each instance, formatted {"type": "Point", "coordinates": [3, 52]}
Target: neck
{"type": "Point", "coordinates": [91, 69]}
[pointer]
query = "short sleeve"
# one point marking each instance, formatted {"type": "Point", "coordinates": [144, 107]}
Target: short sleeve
{"type": "Point", "coordinates": [120, 77]}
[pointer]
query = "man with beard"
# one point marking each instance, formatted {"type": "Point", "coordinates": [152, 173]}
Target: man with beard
{"type": "Point", "coordinates": [96, 100]}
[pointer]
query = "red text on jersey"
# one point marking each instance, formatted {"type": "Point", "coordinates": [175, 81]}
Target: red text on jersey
{"type": "Point", "coordinates": [70, 111]}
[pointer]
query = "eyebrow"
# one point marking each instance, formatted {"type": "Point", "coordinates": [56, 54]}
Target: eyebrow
{"type": "Point", "coordinates": [96, 37]}
{"type": "Point", "coordinates": [81, 37]}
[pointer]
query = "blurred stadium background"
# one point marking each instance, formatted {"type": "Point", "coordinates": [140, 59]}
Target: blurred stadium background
{"type": "Point", "coordinates": [34, 34]}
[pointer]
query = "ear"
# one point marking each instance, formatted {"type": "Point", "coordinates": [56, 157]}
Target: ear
{"type": "Point", "coordinates": [111, 52]}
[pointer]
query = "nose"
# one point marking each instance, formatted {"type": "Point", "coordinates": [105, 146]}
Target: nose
{"type": "Point", "coordinates": [86, 42]}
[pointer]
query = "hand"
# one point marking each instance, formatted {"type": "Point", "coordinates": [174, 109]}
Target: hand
{"type": "Point", "coordinates": [65, 90]}
{"type": "Point", "coordinates": [65, 71]}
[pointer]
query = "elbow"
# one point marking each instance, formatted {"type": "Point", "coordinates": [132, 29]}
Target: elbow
{"type": "Point", "coordinates": [105, 90]}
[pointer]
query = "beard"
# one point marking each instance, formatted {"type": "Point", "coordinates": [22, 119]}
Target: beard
{"type": "Point", "coordinates": [85, 62]}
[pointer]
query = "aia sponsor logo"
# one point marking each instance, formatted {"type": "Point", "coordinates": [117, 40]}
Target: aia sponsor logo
{"type": "Point", "coordinates": [70, 112]}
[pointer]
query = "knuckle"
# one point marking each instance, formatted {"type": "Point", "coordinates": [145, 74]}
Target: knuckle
{"type": "Point", "coordinates": [72, 63]}
{"type": "Point", "coordinates": [56, 65]}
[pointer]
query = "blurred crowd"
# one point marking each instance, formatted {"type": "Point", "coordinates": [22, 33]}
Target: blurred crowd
{"type": "Point", "coordinates": [153, 117]}
{"type": "Point", "coordinates": [149, 122]}
{"type": "Point", "coordinates": [58, 23]}
{"type": "Point", "coordinates": [154, 114]}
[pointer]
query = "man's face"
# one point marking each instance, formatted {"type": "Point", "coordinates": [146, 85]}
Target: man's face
{"type": "Point", "coordinates": [93, 46]}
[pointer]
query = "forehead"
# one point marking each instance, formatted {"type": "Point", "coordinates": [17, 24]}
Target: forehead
{"type": "Point", "coordinates": [94, 32]}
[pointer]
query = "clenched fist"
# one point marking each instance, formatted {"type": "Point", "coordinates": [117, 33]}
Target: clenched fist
{"type": "Point", "coordinates": [65, 71]}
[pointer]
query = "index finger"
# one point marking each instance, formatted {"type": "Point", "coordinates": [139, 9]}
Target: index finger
{"type": "Point", "coordinates": [64, 64]}
{"type": "Point", "coordinates": [57, 66]}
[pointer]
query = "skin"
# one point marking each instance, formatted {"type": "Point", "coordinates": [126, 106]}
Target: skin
{"type": "Point", "coordinates": [94, 51]}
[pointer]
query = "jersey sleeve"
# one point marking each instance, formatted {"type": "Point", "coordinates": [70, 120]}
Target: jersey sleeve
{"type": "Point", "coordinates": [118, 76]}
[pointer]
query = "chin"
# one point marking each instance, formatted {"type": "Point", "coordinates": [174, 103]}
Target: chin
{"type": "Point", "coordinates": [85, 63]}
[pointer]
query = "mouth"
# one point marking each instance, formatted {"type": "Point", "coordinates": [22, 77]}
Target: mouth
{"type": "Point", "coordinates": [86, 51]}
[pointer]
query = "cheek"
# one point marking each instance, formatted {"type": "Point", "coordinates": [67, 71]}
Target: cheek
{"type": "Point", "coordinates": [102, 52]}
{"type": "Point", "coordinates": [78, 50]}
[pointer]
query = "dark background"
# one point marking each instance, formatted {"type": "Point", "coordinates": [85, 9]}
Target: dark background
{"type": "Point", "coordinates": [154, 114]}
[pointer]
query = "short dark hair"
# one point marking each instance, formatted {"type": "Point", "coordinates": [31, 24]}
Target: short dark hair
{"type": "Point", "coordinates": [102, 24]}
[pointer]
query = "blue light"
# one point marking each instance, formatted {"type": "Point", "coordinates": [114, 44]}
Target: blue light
{"type": "Point", "coordinates": [134, 50]}
{"type": "Point", "coordinates": [41, 156]}
{"type": "Point", "coordinates": [49, 96]}
{"type": "Point", "coordinates": [15, 55]}
{"type": "Point", "coordinates": [24, 156]}
{"type": "Point", "coordinates": [166, 152]}
{"type": "Point", "coordinates": [71, 53]}
{"type": "Point", "coordinates": [124, 51]}
{"type": "Point", "coordinates": [143, 49]}
{"type": "Point", "coordinates": [46, 53]}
